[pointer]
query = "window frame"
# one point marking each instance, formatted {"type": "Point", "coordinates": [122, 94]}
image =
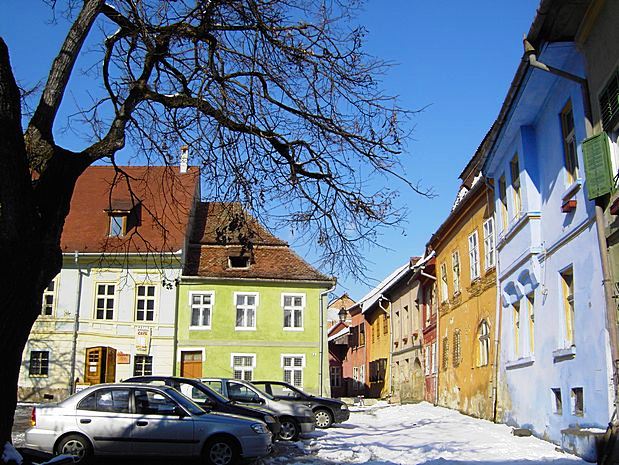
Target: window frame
{"type": "Point", "coordinates": [530, 303]}
{"type": "Point", "coordinates": [483, 338]}
{"type": "Point", "coordinates": [243, 368]}
{"type": "Point", "coordinates": [146, 299]}
{"type": "Point", "coordinates": [503, 202]}
{"type": "Point", "coordinates": [43, 368]}
{"type": "Point", "coordinates": [489, 244]}
{"type": "Point", "coordinates": [123, 224]}
{"type": "Point", "coordinates": [444, 283]}
{"type": "Point", "coordinates": [516, 333]}
{"type": "Point", "coordinates": [335, 376]}
{"type": "Point", "coordinates": [568, 139]}
{"type": "Point", "coordinates": [145, 361]}
{"type": "Point", "coordinates": [293, 309]}
{"type": "Point", "coordinates": [568, 307]}
{"type": "Point", "coordinates": [457, 348]}
{"type": "Point", "coordinates": [105, 296]}
{"type": "Point", "coordinates": [455, 271]}
{"type": "Point", "coordinates": [256, 296]}
{"type": "Point", "coordinates": [54, 295]}
{"type": "Point", "coordinates": [293, 368]}
{"type": "Point", "coordinates": [201, 306]}
{"type": "Point", "coordinates": [474, 266]}
{"type": "Point", "coordinates": [514, 174]}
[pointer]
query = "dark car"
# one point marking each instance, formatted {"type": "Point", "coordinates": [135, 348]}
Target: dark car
{"type": "Point", "coordinates": [208, 399]}
{"type": "Point", "coordinates": [326, 410]}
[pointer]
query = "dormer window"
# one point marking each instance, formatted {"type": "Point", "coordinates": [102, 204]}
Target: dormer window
{"type": "Point", "coordinates": [124, 215]}
{"type": "Point", "coordinates": [238, 262]}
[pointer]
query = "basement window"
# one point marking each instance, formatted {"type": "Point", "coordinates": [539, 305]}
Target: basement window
{"type": "Point", "coordinates": [557, 401]}
{"type": "Point", "coordinates": [577, 401]}
{"type": "Point", "coordinates": [238, 262]}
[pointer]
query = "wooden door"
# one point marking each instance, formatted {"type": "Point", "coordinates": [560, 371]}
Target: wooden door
{"type": "Point", "coordinates": [110, 365]}
{"type": "Point", "coordinates": [191, 364]}
{"type": "Point", "coordinates": [94, 365]}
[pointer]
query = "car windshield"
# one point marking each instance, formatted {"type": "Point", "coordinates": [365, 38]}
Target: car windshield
{"type": "Point", "coordinates": [265, 394]}
{"type": "Point", "coordinates": [211, 393]}
{"type": "Point", "coordinates": [189, 405]}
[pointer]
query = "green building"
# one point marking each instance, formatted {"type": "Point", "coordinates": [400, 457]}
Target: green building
{"type": "Point", "coordinates": [248, 306]}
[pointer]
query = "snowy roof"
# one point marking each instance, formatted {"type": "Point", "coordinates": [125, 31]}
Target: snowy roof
{"type": "Point", "coordinates": [343, 331]}
{"type": "Point", "coordinates": [375, 294]}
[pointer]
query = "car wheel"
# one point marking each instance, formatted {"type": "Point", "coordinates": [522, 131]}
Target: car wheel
{"type": "Point", "coordinates": [290, 430]}
{"type": "Point", "coordinates": [76, 446]}
{"type": "Point", "coordinates": [323, 418]}
{"type": "Point", "coordinates": [221, 451]}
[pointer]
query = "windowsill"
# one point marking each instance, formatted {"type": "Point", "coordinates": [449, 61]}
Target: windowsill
{"type": "Point", "coordinates": [520, 362]}
{"type": "Point", "coordinates": [294, 329]}
{"type": "Point", "coordinates": [243, 328]}
{"type": "Point", "coordinates": [563, 354]}
{"type": "Point", "coordinates": [572, 189]}
{"type": "Point", "coordinates": [199, 328]}
{"type": "Point", "coordinates": [38, 376]}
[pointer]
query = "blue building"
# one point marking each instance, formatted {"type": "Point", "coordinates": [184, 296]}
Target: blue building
{"type": "Point", "coordinates": [555, 374]}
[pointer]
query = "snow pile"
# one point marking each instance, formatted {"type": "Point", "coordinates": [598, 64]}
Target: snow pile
{"type": "Point", "coordinates": [420, 434]}
{"type": "Point", "coordinates": [10, 454]}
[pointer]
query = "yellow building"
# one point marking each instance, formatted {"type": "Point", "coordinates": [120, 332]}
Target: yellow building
{"type": "Point", "coordinates": [466, 280]}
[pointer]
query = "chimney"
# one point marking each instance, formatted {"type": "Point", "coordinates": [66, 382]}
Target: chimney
{"type": "Point", "coordinates": [184, 158]}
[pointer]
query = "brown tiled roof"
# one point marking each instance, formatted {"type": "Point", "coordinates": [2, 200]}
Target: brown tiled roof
{"type": "Point", "coordinates": [218, 235]}
{"type": "Point", "coordinates": [344, 301]}
{"type": "Point", "coordinates": [160, 198]}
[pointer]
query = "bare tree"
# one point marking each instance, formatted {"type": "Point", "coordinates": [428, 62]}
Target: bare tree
{"type": "Point", "coordinates": [276, 98]}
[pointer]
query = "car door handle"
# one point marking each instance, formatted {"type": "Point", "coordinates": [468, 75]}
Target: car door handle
{"type": "Point", "coordinates": [141, 423]}
{"type": "Point", "coordinates": [85, 420]}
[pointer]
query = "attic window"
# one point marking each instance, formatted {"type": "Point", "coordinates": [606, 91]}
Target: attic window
{"type": "Point", "coordinates": [117, 225]}
{"type": "Point", "coordinates": [124, 215]}
{"type": "Point", "coordinates": [237, 262]}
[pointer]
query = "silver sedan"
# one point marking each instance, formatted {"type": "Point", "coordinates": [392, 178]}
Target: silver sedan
{"type": "Point", "coordinates": [143, 420]}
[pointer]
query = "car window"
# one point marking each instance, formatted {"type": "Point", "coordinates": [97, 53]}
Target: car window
{"type": "Point", "coordinates": [192, 392]}
{"type": "Point", "coordinates": [107, 400]}
{"type": "Point", "coordinates": [279, 390]}
{"type": "Point", "coordinates": [214, 385]}
{"type": "Point", "coordinates": [242, 393]}
{"type": "Point", "coordinates": [149, 402]}
{"type": "Point", "coordinates": [190, 406]}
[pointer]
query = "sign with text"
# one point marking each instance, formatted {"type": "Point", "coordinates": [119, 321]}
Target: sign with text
{"type": "Point", "coordinates": [142, 340]}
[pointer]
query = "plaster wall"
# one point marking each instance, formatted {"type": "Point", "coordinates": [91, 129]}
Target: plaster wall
{"type": "Point", "coordinates": [355, 357]}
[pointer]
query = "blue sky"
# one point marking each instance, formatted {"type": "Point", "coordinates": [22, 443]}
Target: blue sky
{"type": "Point", "coordinates": [456, 59]}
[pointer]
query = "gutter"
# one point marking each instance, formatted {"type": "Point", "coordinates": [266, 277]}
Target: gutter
{"type": "Point", "coordinates": [322, 334]}
{"type": "Point", "coordinates": [76, 323]}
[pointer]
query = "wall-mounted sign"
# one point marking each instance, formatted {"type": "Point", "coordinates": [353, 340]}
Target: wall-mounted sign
{"type": "Point", "coordinates": [142, 340]}
{"type": "Point", "coordinates": [123, 358]}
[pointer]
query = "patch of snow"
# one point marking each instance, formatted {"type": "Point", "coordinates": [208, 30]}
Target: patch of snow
{"type": "Point", "coordinates": [10, 454]}
{"type": "Point", "coordinates": [418, 434]}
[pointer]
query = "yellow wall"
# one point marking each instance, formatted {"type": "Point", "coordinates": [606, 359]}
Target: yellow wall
{"type": "Point", "coordinates": [466, 382]}
{"type": "Point", "coordinates": [378, 341]}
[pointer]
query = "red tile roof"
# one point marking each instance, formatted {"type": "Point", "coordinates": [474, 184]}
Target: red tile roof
{"type": "Point", "coordinates": [222, 230]}
{"type": "Point", "coordinates": [161, 199]}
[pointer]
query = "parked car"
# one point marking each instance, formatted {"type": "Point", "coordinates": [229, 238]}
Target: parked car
{"type": "Point", "coordinates": [210, 400]}
{"type": "Point", "coordinates": [143, 420]}
{"type": "Point", "coordinates": [294, 417]}
{"type": "Point", "coordinates": [326, 410]}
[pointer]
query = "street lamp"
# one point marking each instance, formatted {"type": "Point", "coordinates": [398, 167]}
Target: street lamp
{"type": "Point", "coordinates": [342, 314]}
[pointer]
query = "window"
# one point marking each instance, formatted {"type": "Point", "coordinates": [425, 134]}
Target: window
{"type": "Point", "coordinates": [362, 334]}
{"type": "Point", "coordinates": [117, 225]}
{"type": "Point", "coordinates": [503, 201]}
{"type": "Point", "coordinates": [246, 310]}
{"type": "Point", "coordinates": [142, 365]}
{"type": "Point", "coordinates": [336, 376]}
{"type": "Point", "coordinates": [444, 288]}
{"type": "Point", "coordinates": [145, 303]}
{"type": "Point", "coordinates": [106, 295]}
{"type": "Point", "coordinates": [240, 393]}
{"type": "Point", "coordinates": [455, 268]}
{"type": "Point", "coordinates": [445, 360]}
{"type": "Point", "coordinates": [483, 334]}
{"type": "Point", "coordinates": [39, 363]}
{"type": "Point", "coordinates": [514, 170]}
{"type": "Point", "coordinates": [516, 328]}
{"type": "Point", "coordinates": [49, 298]}
{"type": "Point", "coordinates": [457, 355]}
{"type": "Point", "coordinates": [201, 309]}
{"type": "Point", "coordinates": [577, 401]}
{"type": "Point", "coordinates": [567, 285]}
{"type": "Point", "coordinates": [489, 244]}
{"type": "Point", "coordinates": [355, 378]}
{"type": "Point", "coordinates": [427, 360]}
{"type": "Point", "coordinates": [557, 401]}
{"type": "Point", "coordinates": [107, 400]}
{"type": "Point", "coordinates": [474, 255]}
{"type": "Point", "coordinates": [434, 357]}
{"type": "Point", "coordinates": [243, 366]}
{"type": "Point", "coordinates": [362, 375]}
{"type": "Point", "coordinates": [149, 402]}
{"type": "Point", "coordinates": [385, 324]}
{"type": "Point", "coordinates": [531, 320]}
{"type": "Point", "coordinates": [293, 305]}
{"type": "Point", "coordinates": [293, 369]}
{"type": "Point", "coordinates": [238, 262]}
{"type": "Point", "coordinates": [569, 143]}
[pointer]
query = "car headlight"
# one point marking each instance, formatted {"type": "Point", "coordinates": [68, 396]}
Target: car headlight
{"type": "Point", "coordinates": [259, 428]}
{"type": "Point", "coordinates": [269, 419]}
{"type": "Point", "coordinates": [344, 407]}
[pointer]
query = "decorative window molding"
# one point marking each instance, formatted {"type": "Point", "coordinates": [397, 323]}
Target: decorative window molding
{"type": "Point", "coordinates": [145, 302]}
{"type": "Point", "coordinates": [246, 304]}
{"type": "Point", "coordinates": [105, 300]}
{"type": "Point", "coordinates": [201, 304]}
{"type": "Point", "coordinates": [293, 306]}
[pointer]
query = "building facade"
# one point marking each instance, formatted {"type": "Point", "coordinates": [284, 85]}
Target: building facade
{"type": "Point", "coordinates": [250, 312]}
{"type": "Point", "coordinates": [110, 313]}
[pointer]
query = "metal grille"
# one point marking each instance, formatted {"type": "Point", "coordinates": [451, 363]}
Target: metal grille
{"type": "Point", "coordinates": [609, 103]}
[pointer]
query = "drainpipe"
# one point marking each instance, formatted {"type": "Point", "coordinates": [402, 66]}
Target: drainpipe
{"type": "Point", "coordinates": [322, 334]}
{"type": "Point", "coordinates": [388, 312]}
{"type": "Point", "coordinates": [611, 315]}
{"type": "Point", "coordinates": [76, 322]}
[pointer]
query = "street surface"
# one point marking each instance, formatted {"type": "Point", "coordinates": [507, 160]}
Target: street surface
{"type": "Point", "coordinates": [407, 434]}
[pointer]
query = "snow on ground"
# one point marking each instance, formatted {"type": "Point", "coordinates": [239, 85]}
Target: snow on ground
{"type": "Point", "coordinates": [418, 434]}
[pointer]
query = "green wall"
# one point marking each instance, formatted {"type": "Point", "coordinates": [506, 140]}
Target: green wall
{"type": "Point", "coordinates": [268, 341]}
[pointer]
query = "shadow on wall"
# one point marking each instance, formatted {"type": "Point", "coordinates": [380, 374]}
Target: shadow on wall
{"type": "Point", "coordinates": [54, 386]}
